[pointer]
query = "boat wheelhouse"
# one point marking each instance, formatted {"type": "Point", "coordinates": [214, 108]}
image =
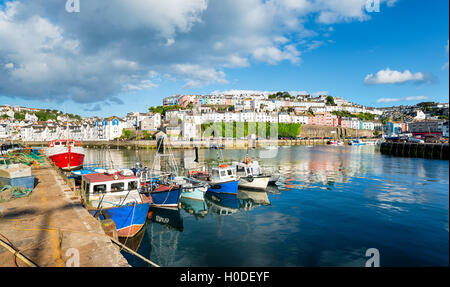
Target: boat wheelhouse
{"type": "Point", "coordinates": [117, 197]}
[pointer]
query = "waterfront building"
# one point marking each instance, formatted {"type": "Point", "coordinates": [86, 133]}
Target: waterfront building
{"type": "Point", "coordinates": [109, 128]}
{"type": "Point", "coordinates": [426, 127]}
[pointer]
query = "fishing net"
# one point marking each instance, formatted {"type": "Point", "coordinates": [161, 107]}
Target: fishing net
{"type": "Point", "coordinates": [8, 192]}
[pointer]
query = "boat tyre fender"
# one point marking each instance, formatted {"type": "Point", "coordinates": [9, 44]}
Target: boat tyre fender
{"type": "Point", "coordinates": [250, 178]}
{"type": "Point", "coordinates": [102, 212]}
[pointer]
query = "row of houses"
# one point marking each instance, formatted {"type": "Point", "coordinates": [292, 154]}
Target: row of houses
{"type": "Point", "coordinates": [98, 130]}
{"type": "Point", "coordinates": [261, 103]}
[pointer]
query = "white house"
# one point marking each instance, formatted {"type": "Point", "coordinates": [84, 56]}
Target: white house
{"type": "Point", "coordinates": [109, 129]}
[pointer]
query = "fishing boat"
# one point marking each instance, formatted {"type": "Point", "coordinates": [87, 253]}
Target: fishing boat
{"type": "Point", "coordinates": [157, 184]}
{"type": "Point", "coordinates": [112, 195]}
{"type": "Point", "coordinates": [221, 179]}
{"type": "Point", "coordinates": [356, 142]}
{"type": "Point", "coordinates": [335, 143]}
{"type": "Point", "coordinates": [15, 174]}
{"type": "Point", "coordinates": [250, 174]}
{"type": "Point", "coordinates": [160, 189]}
{"type": "Point", "coordinates": [192, 188]}
{"type": "Point", "coordinates": [67, 154]}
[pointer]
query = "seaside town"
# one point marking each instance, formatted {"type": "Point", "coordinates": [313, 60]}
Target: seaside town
{"type": "Point", "coordinates": [192, 111]}
{"type": "Point", "coordinates": [225, 134]}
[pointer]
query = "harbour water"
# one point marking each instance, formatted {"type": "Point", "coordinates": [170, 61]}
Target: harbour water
{"type": "Point", "coordinates": [331, 204]}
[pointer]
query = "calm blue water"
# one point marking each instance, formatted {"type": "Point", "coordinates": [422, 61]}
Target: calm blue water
{"type": "Point", "coordinates": [330, 205]}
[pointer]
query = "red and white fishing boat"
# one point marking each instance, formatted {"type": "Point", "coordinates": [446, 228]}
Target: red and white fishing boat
{"type": "Point", "coordinates": [67, 154]}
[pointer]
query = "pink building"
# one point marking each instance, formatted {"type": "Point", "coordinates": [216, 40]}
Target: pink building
{"type": "Point", "coordinates": [184, 101]}
{"type": "Point", "coordinates": [324, 119]}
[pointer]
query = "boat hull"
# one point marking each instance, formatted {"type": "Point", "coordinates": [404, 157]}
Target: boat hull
{"type": "Point", "coordinates": [129, 219]}
{"type": "Point", "coordinates": [274, 178]}
{"type": "Point", "coordinates": [68, 160]}
{"type": "Point", "coordinates": [165, 199]}
{"type": "Point", "coordinates": [194, 194]}
{"type": "Point", "coordinates": [224, 187]}
{"type": "Point", "coordinates": [258, 183]}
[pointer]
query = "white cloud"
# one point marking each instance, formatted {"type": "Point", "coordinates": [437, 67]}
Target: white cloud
{"type": "Point", "coordinates": [110, 46]}
{"type": "Point", "coordinates": [273, 55]}
{"type": "Point", "coordinates": [9, 66]}
{"type": "Point", "coordinates": [196, 75]}
{"type": "Point", "coordinates": [445, 66]}
{"type": "Point", "coordinates": [389, 76]}
{"type": "Point", "coordinates": [391, 100]}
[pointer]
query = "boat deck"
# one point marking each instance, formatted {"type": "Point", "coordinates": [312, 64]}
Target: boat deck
{"type": "Point", "coordinates": [50, 226]}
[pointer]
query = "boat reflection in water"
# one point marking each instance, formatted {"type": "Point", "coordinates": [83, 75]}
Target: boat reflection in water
{"type": "Point", "coordinates": [250, 199]}
{"type": "Point", "coordinates": [165, 216]}
{"type": "Point", "coordinates": [273, 189]}
{"type": "Point", "coordinates": [222, 203]}
{"type": "Point", "coordinates": [134, 242]}
{"type": "Point", "coordinates": [198, 208]}
{"type": "Point", "coordinates": [163, 231]}
{"type": "Point", "coordinates": [226, 204]}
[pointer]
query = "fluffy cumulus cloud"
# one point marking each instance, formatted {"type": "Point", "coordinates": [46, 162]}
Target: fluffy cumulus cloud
{"type": "Point", "coordinates": [389, 76]}
{"type": "Point", "coordinates": [115, 46]}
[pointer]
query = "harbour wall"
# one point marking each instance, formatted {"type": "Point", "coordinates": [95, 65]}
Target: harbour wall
{"type": "Point", "coordinates": [406, 149]}
{"type": "Point", "coordinates": [152, 144]}
{"type": "Point", "coordinates": [334, 132]}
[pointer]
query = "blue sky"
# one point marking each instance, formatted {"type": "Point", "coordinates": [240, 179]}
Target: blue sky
{"type": "Point", "coordinates": [396, 56]}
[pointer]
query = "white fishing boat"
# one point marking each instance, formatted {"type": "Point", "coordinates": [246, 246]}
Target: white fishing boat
{"type": "Point", "coordinates": [250, 174]}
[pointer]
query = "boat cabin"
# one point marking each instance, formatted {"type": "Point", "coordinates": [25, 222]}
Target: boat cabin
{"type": "Point", "coordinates": [110, 189]}
{"type": "Point", "coordinates": [223, 172]}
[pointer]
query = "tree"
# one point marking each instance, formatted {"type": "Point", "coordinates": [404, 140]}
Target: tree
{"type": "Point", "coordinates": [19, 116]}
{"type": "Point", "coordinates": [330, 101]}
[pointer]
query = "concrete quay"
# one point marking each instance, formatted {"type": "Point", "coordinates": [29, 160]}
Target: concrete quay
{"type": "Point", "coordinates": [51, 228]}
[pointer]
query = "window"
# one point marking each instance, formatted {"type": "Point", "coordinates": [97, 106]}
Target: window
{"type": "Point", "coordinates": [229, 172]}
{"type": "Point", "coordinates": [117, 187]}
{"type": "Point", "coordinates": [223, 173]}
{"type": "Point", "coordinates": [99, 188]}
{"type": "Point", "coordinates": [215, 173]}
{"type": "Point", "coordinates": [132, 185]}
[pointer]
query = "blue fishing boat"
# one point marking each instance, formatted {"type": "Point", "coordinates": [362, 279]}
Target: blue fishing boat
{"type": "Point", "coordinates": [222, 179]}
{"type": "Point", "coordinates": [117, 197]}
{"type": "Point", "coordinates": [356, 142]}
{"type": "Point", "coordinates": [163, 195]}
